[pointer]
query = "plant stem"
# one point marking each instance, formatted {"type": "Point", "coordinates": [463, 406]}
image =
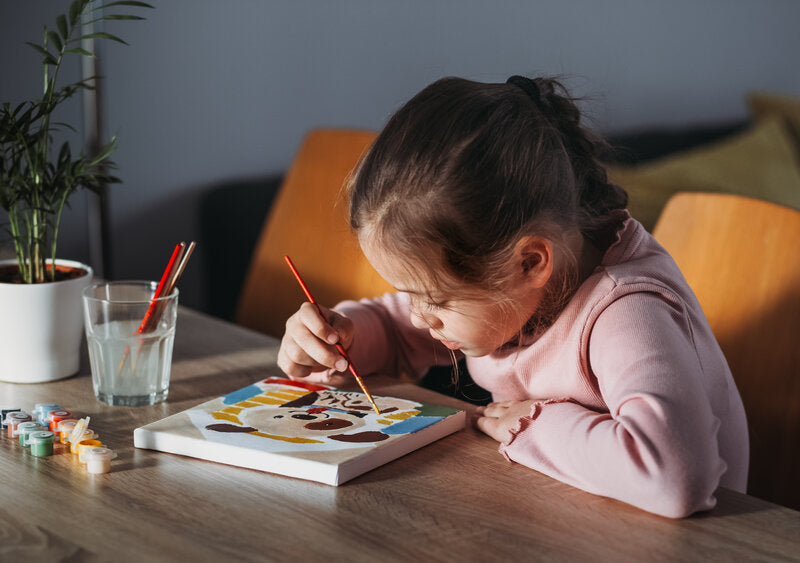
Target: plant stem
{"type": "Point", "coordinates": [60, 209]}
{"type": "Point", "coordinates": [14, 220]}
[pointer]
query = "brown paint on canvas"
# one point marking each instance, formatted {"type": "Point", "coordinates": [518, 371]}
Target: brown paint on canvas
{"type": "Point", "coordinates": [329, 424]}
{"type": "Point", "coordinates": [230, 428]}
{"type": "Point", "coordinates": [368, 436]}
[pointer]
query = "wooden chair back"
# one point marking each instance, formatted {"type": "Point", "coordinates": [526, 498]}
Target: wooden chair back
{"type": "Point", "coordinates": [308, 221]}
{"type": "Point", "coordinates": [742, 259]}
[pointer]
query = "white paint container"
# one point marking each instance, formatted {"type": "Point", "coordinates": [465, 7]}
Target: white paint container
{"type": "Point", "coordinates": [98, 460]}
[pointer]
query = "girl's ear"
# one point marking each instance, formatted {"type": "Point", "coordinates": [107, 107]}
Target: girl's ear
{"type": "Point", "coordinates": [533, 258]}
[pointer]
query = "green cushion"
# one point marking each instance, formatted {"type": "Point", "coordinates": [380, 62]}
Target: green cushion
{"type": "Point", "coordinates": [765, 105]}
{"type": "Point", "coordinates": [759, 162]}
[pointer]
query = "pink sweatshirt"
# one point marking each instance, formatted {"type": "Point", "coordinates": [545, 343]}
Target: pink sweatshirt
{"type": "Point", "coordinates": [636, 401]}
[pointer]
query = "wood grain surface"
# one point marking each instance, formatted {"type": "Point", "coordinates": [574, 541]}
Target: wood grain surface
{"type": "Point", "coordinates": [455, 500]}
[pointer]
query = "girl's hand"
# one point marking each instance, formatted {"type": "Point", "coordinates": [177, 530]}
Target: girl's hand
{"type": "Point", "coordinates": [308, 348]}
{"type": "Point", "coordinates": [497, 419]}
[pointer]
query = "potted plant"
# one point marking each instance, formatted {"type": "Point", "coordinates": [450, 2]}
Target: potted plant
{"type": "Point", "coordinates": [40, 295]}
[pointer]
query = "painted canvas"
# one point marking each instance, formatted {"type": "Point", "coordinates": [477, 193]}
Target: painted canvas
{"type": "Point", "coordinates": [301, 430]}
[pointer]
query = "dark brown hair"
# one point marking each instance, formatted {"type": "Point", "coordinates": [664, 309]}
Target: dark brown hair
{"type": "Point", "coordinates": [464, 169]}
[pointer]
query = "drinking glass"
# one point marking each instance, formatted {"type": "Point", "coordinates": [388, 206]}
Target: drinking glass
{"type": "Point", "coordinates": [130, 336]}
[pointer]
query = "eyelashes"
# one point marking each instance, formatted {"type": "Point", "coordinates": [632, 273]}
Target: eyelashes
{"type": "Point", "coordinates": [434, 306]}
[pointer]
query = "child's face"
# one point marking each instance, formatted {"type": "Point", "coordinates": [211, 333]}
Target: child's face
{"type": "Point", "coordinates": [468, 319]}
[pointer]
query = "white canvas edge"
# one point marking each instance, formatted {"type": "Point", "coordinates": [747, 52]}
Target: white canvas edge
{"type": "Point", "coordinates": [279, 464]}
{"type": "Point", "coordinates": [224, 453]}
{"type": "Point", "coordinates": [410, 442]}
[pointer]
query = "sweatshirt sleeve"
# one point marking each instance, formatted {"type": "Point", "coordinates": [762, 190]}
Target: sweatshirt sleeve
{"type": "Point", "coordinates": [657, 446]}
{"type": "Point", "coordinates": [386, 342]}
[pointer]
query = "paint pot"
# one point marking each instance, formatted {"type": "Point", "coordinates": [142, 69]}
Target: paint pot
{"type": "Point", "coordinates": [26, 428]}
{"type": "Point", "coordinates": [4, 413]}
{"type": "Point", "coordinates": [77, 432]}
{"type": "Point", "coordinates": [40, 410]}
{"type": "Point", "coordinates": [13, 419]}
{"type": "Point", "coordinates": [87, 434]}
{"type": "Point", "coordinates": [98, 460]}
{"type": "Point", "coordinates": [57, 416]}
{"type": "Point", "coordinates": [64, 429]}
{"type": "Point", "coordinates": [86, 445]}
{"type": "Point", "coordinates": [41, 443]}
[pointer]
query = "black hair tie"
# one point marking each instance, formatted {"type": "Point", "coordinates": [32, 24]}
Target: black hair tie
{"type": "Point", "coordinates": [528, 86]}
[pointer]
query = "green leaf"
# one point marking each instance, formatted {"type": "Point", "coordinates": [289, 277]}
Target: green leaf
{"type": "Point", "coordinates": [63, 28]}
{"type": "Point", "coordinates": [40, 49]}
{"type": "Point", "coordinates": [56, 40]}
{"type": "Point", "coordinates": [99, 35]}
{"type": "Point", "coordinates": [79, 51]}
{"type": "Point", "coordinates": [65, 154]}
{"type": "Point", "coordinates": [75, 10]}
{"type": "Point", "coordinates": [16, 109]}
{"type": "Point", "coordinates": [104, 152]}
{"type": "Point", "coordinates": [121, 17]}
{"type": "Point", "coordinates": [124, 3]}
{"type": "Point", "coordinates": [67, 125]}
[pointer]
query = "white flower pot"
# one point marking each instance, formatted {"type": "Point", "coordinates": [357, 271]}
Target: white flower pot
{"type": "Point", "coordinates": [41, 328]}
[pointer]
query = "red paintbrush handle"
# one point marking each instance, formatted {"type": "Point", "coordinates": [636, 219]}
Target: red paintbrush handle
{"type": "Point", "coordinates": [300, 281]}
{"type": "Point", "coordinates": [339, 347]}
{"type": "Point", "coordinates": [159, 288]}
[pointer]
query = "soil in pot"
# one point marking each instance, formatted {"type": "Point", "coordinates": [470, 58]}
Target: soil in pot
{"type": "Point", "coordinates": [10, 273]}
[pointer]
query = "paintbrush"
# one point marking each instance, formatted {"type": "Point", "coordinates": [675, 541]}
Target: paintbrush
{"type": "Point", "coordinates": [173, 259]}
{"type": "Point", "coordinates": [339, 347]}
{"type": "Point", "coordinates": [169, 279]}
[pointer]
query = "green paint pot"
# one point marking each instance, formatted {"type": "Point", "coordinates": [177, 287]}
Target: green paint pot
{"type": "Point", "coordinates": [41, 443]}
{"type": "Point", "coordinates": [25, 428]}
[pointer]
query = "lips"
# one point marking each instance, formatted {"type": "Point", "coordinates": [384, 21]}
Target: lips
{"type": "Point", "coordinates": [450, 344]}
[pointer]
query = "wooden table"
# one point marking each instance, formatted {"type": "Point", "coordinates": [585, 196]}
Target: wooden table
{"type": "Point", "coordinates": [454, 500]}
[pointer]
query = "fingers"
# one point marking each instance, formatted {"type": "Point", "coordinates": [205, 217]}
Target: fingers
{"type": "Point", "coordinates": [493, 427]}
{"type": "Point", "coordinates": [308, 343]}
{"type": "Point", "coordinates": [310, 318]}
{"type": "Point", "coordinates": [328, 377]}
{"type": "Point", "coordinates": [336, 378]}
{"type": "Point", "coordinates": [497, 409]}
{"type": "Point", "coordinates": [498, 419]}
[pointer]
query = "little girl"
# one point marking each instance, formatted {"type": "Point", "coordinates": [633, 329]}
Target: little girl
{"type": "Point", "coordinates": [486, 207]}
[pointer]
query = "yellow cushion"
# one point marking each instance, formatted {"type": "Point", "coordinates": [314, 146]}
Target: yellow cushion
{"type": "Point", "coordinates": [765, 105]}
{"type": "Point", "coordinates": [759, 162]}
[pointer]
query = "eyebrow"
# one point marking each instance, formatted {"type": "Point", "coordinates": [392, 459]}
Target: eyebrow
{"type": "Point", "coordinates": [408, 291]}
{"type": "Point", "coordinates": [424, 294]}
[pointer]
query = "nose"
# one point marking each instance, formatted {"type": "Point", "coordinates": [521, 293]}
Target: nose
{"type": "Point", "coordinates": [425, 320]}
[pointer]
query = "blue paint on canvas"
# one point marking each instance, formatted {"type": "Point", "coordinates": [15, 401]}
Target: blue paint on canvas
{"type": "Point", "coordinates": [241, 395]}
{"type": "Point", "coordinates": [411, 425]}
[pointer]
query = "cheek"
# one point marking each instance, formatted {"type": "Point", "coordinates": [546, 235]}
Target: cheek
{"type": "Point", "coordinates": [416, 320]}
{"type": "Point", "coordinates": [499, 321]}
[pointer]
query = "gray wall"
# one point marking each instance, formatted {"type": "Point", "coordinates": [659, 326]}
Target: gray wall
{"type": "Point", "coordinates": [210, 92]}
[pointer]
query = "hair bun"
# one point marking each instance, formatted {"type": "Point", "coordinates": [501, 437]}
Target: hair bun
{"type": "Point", "coordinates": [528, 86]}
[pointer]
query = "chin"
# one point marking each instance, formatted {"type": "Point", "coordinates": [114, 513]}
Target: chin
{"type": "Point", "coordinates": [475, 353]}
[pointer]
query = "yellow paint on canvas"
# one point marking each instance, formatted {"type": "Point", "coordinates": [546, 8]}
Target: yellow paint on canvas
{"type": "Point", "coordinates": [262, 400]}
{"type": "Point", "coordinates": [294, 440]}
{"type": "Point", "coordinates": [247, 404]}
{"type": "Point", "coordinates": [401, 415]}
{"type": "Point", "coordinates": [219, 415]}
{"type": "Point", "coordinates": [288, 395]}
